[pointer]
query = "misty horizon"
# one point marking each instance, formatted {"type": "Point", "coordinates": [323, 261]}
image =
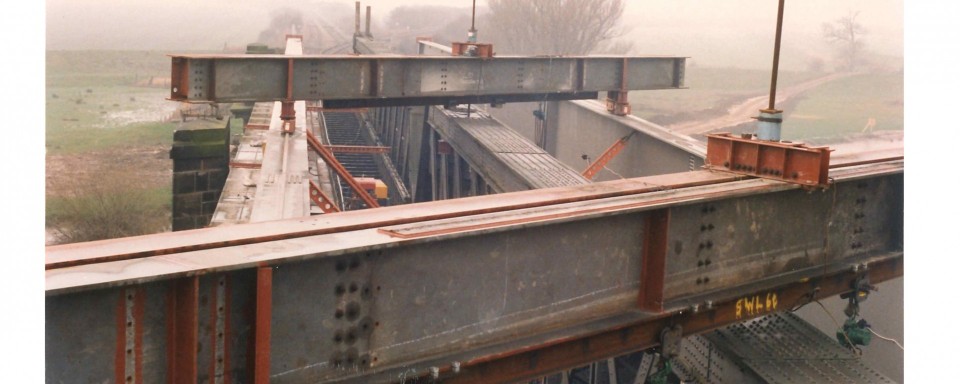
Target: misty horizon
{"type": "Point", "coordinates": [728, 34]}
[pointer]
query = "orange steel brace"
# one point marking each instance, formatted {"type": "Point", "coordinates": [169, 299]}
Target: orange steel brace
{"type": "Point", "coordinates": [605, 158]}
{"type": "Point", "coordinates": [182, 330]}
{"type": "Point", "coordinates": [337, 167]}
{"type": "Point", "coordinates": [264, 312]}
{"type": "Point", "coordinates": [321, 199]}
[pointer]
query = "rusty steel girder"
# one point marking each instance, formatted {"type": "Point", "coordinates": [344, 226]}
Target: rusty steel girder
{"type": "Point", "coordinates": [790, 162]}
{"type": "Point", "coordinates": [503, 287]}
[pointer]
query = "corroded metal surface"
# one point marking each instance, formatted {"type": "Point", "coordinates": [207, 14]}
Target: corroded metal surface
{"type": "Point", "coordinates": [485, 290]}
{"type": "Point", "coordinates": [790, 162]}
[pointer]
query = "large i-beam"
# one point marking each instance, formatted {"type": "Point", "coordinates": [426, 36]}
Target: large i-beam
{"type": "Point", "coordinates": [388, 80]}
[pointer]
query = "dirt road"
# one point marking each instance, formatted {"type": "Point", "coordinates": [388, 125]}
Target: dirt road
{"type": "Point", "coordinates": [744, 111]}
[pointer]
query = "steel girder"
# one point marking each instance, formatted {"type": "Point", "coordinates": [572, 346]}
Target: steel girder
{"type": "Point", "coordinates": [491, 288]}
{"type": "Point", "coordinates": [391, 80]}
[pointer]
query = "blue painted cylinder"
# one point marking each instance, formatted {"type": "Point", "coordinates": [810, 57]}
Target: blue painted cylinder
{"type": "Point", "coordinates": [768, 125]}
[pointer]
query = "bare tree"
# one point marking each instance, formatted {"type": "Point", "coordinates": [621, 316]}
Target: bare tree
{"type": "Point", "coordinates": [847, 34]}
{"type": "Point", "coordinates": [569, 27]}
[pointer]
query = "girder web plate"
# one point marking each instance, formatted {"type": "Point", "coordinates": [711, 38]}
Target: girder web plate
{"type": "Point", "coordinates": [487, 283]}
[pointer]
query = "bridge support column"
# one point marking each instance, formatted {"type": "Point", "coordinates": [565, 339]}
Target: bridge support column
{"type": "Point", "coordinates": [200, 167]}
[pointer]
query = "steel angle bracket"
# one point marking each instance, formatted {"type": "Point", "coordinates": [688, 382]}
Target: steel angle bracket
{"type": "Point", "coordinates": [777, 160]}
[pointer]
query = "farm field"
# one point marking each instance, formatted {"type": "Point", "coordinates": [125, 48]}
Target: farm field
{"type": "Point", "coordinates": [108, 133]}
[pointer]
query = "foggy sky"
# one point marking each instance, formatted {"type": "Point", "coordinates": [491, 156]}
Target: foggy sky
{"type": "Point", "coordinates": [716, 33]}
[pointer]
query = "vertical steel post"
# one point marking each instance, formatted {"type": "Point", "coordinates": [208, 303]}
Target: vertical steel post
{"type": "Point", "coordinates": [264, 312]}
{"type": "Point", "coordinates": [367, 30]}
{"type": "Point", "coordinates": [182, 330]}
{"type": "Point", "coordinates": [356, 24]}
{"type": "Point", "coordinates": [770, 120]}
{"type": "Point", "coordinates": [128, 359]}
{"type": "Point", "coordinates": [776, 57]}
{"type": "Point", "coordinates": [654, 260]}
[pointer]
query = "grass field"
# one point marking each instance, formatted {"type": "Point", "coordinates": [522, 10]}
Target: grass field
{"type": "Point", "coordinates": [92, 102]}
{"type": "Point", "coordinates": [844, 106]}
{"type": "Point", "coordinates": [98, 119]}
{"type": "Point", "coordinates": [835, 109]}
{"type": "Point", "coordinates": [709, 92]}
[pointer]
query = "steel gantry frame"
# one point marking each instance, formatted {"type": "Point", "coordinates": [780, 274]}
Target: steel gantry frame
{"type": "Point", "coordinates": [465, 290]}
{"type": "Point", "coordinates": [390, 80]}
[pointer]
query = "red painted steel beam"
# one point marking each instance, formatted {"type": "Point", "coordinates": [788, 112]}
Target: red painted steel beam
{"type": "Point", "coordinates": [790, 162]}
{"type": "Point", "coordinates": [321, 199]}
{"type": "Point", "coordinates": [264, 313]}
{"type": "Point", "coordinates": [324, 109]}
{"type": "Point", "coordinates": [237, 164]}
{"type": "Point", "coordinates": [605, 158]}
{"type": "Point", "coordinates": [557, 355]}
{"type": "Point", "coordinates": [68, 255]}
{"type": "Point", "coordinates": [340, 170]}
{"type": "Point", "coordinates": [653, 263]}
{"type": "Point", "coordinates": [182, 330]}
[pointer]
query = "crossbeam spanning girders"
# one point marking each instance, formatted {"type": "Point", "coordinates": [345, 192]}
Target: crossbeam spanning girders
{"type": "Point", "coordinates": [390, 80]}
{"type": "Point", "coordinates": [480, 280]}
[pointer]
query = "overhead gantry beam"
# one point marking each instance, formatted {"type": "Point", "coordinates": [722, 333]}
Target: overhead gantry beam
{"type": "Point", "coordinates": [485, 289]}
{"type": "Point", "coordinates": [390, 80]}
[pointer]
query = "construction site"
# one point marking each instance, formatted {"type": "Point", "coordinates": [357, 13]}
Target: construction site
{"type": "Point", "coordinates": [347, 213]}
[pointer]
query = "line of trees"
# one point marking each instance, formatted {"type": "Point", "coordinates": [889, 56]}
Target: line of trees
{"type": "Point", "coordinates": [555, 27]}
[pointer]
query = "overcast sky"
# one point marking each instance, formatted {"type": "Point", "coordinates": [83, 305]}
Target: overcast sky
{"type": "Point", "coordinates": [716, 33]}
